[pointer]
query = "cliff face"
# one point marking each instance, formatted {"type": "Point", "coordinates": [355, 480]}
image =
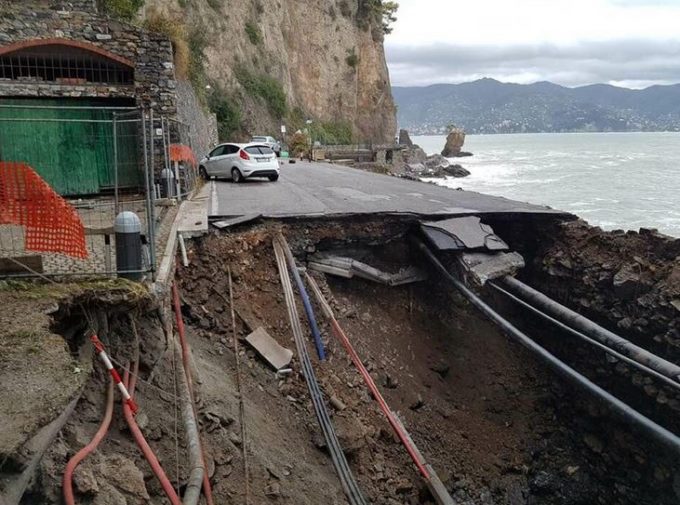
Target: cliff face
{"type": "Point", "coordinates": [331, 69]}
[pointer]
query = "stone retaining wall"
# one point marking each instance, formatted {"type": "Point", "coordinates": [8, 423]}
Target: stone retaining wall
{"type": "Point", "coordinates": [77, 21]}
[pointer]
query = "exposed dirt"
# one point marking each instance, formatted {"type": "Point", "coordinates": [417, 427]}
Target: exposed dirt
{"type": "Point", "coordinates": [494, 423]}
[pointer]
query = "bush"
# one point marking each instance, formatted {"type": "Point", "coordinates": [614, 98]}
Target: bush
{"type": "Point", "coordinates": [265, 88]}
{"type": "Point", "coordinates": [352, 58]}
{"type": "Point", "coordinates": [175, 31]}
{"type": "Point", "coordinates": [299, 144]}
{"type": "Point", "coordinates": [253, 33]}
{"type": "Point", "coordinates": [197, 43]}
{"type": "Point", "coordinates": [227, 113]}
{"type": "Point", "coordinates": [215, 4]}
{"type": "Point", "coordinates": [378, 13]}
{"type": "Point", "coordinates": [332, 132]}
{"type": "Point", "coordinates": [122, 9]}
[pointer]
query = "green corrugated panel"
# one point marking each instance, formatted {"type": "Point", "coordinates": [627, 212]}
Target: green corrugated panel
{"type": "Point", "coordinates": [75, 158]}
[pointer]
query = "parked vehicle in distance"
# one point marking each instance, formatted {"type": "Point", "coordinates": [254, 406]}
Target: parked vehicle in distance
{"type": "Point", "coordinates": [239, 162]}
{"type": "Point", "coordinates": [274, 144]}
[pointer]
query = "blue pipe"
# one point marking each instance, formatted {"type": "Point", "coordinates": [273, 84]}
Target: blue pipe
{"type": "Point", "coordinates": [305, 299]}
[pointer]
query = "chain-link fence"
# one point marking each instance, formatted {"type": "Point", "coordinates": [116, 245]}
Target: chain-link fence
{"type": "Point", "coordinates": [103, 161]}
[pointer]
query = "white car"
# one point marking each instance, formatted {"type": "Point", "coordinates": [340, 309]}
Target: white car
{"type": "Point", "coordinates": [268, 141]}
{"type": "Point", "coordinates": [239, 162]}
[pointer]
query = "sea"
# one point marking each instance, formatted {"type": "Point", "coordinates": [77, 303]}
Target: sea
{"type": "Point", "coordinates": [612, 180]}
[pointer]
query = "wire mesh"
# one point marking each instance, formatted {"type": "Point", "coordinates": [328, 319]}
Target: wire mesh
{"type": "Point", "coordinates": [100, 160]}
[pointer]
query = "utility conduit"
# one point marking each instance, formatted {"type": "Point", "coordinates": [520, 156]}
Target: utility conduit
{"type": "Point", "coordinates": [305, 298]}
{"type": "Point", "coordinates": [576, 320]}
{"type": "Point", "coordinates": [196, 454]}
{"type": "Point", "coordinates": [432, 480]}
{"type": "Point", "coordinates": [88, 449]}
{"type": "Point", "coordinates": [147, 451]}
{"type": "Point", "coordinates": [660, 433]}
{"type": "Point", "coordinates": [347, 480]}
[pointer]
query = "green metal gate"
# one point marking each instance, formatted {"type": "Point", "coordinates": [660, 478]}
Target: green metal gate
{"type": "Point", "coordinates": [70, 143]}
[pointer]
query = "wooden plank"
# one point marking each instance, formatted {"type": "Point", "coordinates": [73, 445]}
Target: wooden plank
{"type": "Point", "coordinates": [7, 266]}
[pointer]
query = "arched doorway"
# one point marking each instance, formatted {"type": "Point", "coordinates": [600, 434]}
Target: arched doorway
{"type": "Point", "coordinates": [57, 124]}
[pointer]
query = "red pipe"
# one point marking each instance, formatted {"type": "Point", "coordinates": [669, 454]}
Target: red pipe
{"type": "Point", "coordinates": [186, 353]}
{"type": "Point", "coordinates": [379, 398]}
{"type": "Point", "coordinates": [146, 450]}
{"type": "Point", "coordinates": [67, 482]}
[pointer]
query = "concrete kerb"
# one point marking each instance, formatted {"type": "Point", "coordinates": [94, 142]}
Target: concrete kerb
{"type": "Point", "coordinates": [191, 221]}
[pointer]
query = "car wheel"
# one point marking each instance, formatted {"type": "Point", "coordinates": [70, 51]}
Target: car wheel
{"type": "Point", "coordinates": [274, 177]}
{"type": "Point", "coordinates": [236, 175]}
{"type": "Point", "coordinates": [203, 173]}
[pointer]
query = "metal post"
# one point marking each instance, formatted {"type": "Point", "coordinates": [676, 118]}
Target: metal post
{"type": "Point", "coordinates": [152, 217]}
{"type": "Point", "coordinates": [115, 163]}
{"type": "Point", "coordinates": [148, 193]}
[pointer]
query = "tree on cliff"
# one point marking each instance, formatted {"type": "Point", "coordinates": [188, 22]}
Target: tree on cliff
{"type": "Point", "coordinates": [378, 12]}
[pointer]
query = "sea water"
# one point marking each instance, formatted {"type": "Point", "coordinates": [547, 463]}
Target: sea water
{"type": "Point", "coordinates": [613, 180]}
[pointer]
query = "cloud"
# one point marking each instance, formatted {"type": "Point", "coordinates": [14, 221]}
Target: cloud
{"type": "Point", "coordinates": [635, 62]}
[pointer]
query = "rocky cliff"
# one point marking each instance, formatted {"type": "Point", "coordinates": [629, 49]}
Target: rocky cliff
{"type": "Point", "coordinates": [326, 61]}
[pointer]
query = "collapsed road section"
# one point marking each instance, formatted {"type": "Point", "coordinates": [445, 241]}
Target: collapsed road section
{"type": "Point", "coordinates": [420, 380]}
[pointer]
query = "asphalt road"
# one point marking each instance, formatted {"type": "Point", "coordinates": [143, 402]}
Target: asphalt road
{"type": "Point", "coordinates": [323, 189]}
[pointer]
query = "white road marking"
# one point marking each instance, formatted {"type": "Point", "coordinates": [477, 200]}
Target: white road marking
{"type": "Point", "coordinates": [214, 204]}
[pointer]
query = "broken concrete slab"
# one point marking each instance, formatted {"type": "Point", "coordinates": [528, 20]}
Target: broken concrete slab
{"type": "Point", "coordinates": [233, 221]}
{"type": "Point", "coordinates": [485, 267]}
{"type": "Point", "coordinates": [276, 355]}
{"type": "Point", "coordinates": [347, 267]}
{"type": "Point", "coordinates": [463, 233]}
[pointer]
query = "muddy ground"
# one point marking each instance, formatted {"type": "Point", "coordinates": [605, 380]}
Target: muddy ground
{"type": "Point", "coordinates": [498, 427]}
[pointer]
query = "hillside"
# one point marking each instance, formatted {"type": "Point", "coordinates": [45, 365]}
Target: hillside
{"type": "Point", "coordinates": [263, 63]}
{"type": "Point", "coordinates": [490, 106]}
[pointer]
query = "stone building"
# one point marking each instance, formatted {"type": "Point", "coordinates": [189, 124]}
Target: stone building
{"type": "Point", "coordinates": [65, 70]}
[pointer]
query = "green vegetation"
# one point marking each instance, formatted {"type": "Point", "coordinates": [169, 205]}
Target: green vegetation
{"type": "Point", "coordinates": [380, 13]}
{"type": "Point", "coordinates": [299, 144]}
{"type": "Point", "coordinates": [173, 29]}
{"type": "Point", "coordinates": [264, 87]}
{"type": "Point", "coordinates": [352, 58]}
{"type": "Point", "coordinates": [198, 41]}
{"type": "Point", "coordinates": [121, 9]}
{"type": "Point", "coordinates": [345, 9]}
{"type": "Point", "coordinates": [332, 132]}
{"type": "Point", "coordinates": [227, 112]}
{"type": "Point", "coordinates": [253, 33]}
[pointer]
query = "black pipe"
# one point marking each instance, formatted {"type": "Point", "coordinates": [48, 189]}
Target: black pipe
{"type": "Point", "coordinates": [664, 436]}
{"type": "Point", "coordinates": [583, 336]}
{"type": "Point", "coordinates": [577, 321]}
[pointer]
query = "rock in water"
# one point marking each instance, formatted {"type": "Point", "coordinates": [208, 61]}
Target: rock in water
{"type": "Point", "coordinates": [454, 141]}
{"type": "Point", "coordinates": [404, 138]}
{"type": "Point", "coordinates": [456, 171]}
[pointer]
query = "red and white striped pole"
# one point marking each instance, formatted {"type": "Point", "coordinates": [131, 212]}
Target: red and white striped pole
{"type": "Point", "coordinates": [99, 348]}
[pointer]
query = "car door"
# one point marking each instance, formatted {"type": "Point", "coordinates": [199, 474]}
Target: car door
{"type": "Point", "coordinates": [229, 160]}
{"type": "Point", "coordinates": [212, 164]}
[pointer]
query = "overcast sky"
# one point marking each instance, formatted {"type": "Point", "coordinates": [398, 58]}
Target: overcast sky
{"type": "Point", "coordinates": [630, 43]}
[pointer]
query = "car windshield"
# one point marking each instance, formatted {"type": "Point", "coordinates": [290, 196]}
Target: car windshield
{"type": "Point", "coordinates": [259, 150]}
{"type": "Point", "coordinates": [259, 139]}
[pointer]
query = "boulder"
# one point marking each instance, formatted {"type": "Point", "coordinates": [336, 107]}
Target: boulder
{"type": "Point", "coordinates": [414, 154]}
{"type": "Point", "coordinates": [629, 282]}
{"type": "Point", "coordinates": [454, 141]}
{"type": "Point", "coordinates": [456, 171]}
{"type": "Point", "coordinates": [436, 161]}
{"type": "Point", "coordinates": [404, 138]}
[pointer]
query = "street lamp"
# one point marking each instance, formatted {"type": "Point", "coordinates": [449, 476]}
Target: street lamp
{"type": "Point", "coordinates": [311, 140]}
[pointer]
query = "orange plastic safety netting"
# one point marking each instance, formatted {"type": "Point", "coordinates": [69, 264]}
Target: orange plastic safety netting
{"type": "Point", "coordinates": [51, 224]}
{"type": "Point", "coordinates": [180, 152]}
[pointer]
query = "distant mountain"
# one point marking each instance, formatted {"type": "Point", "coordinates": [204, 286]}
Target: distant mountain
{"type": "Point", "coordinates": [490, 106]}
